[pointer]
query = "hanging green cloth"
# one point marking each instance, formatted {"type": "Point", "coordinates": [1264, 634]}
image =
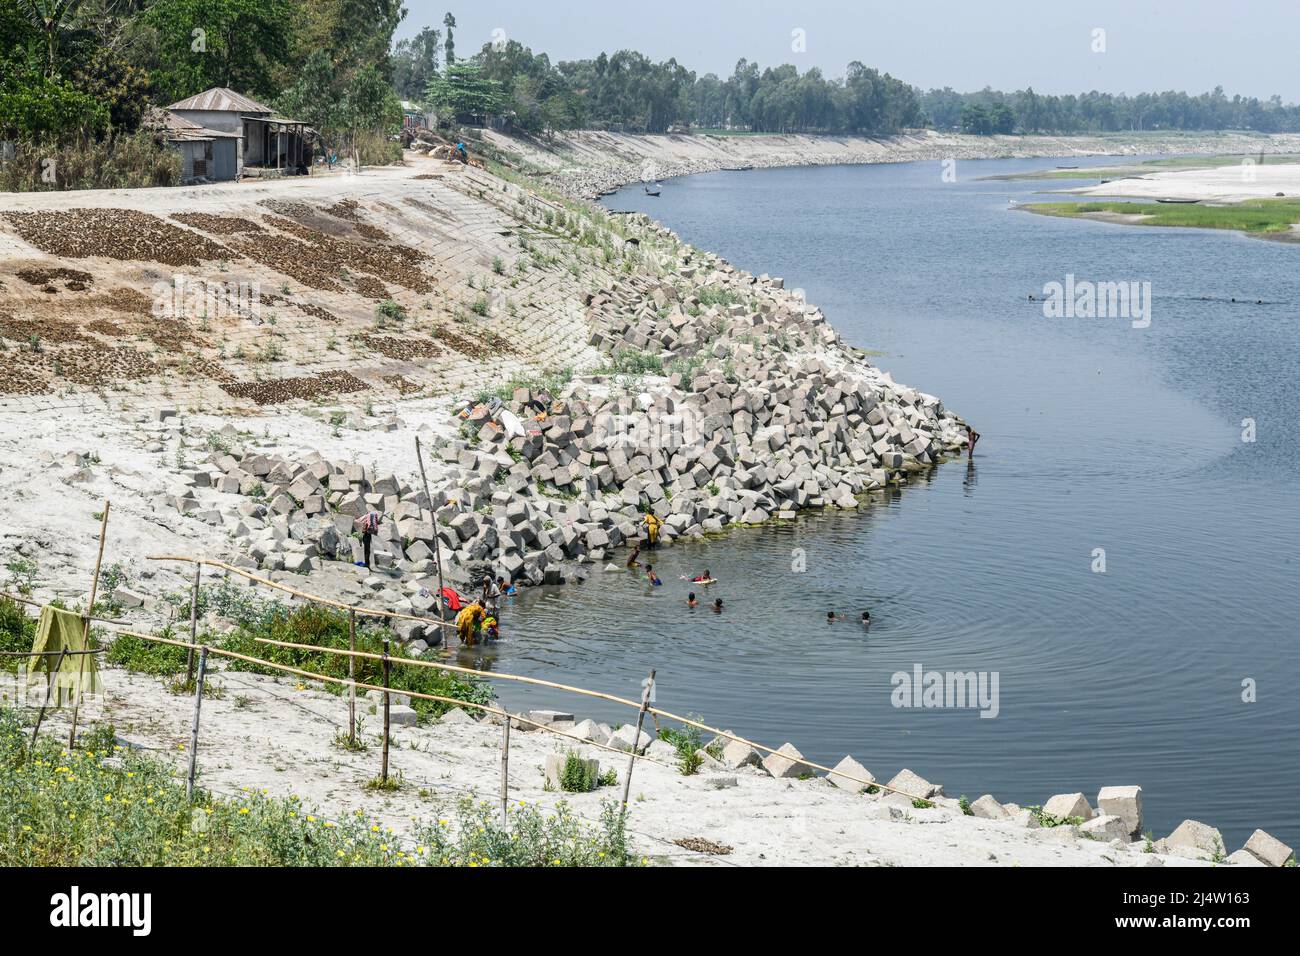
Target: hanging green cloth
{"type": "Point", "coordinates": [77, 675]}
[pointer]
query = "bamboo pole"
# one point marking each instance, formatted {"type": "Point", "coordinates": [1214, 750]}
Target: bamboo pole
{"type": "Point", "coordinates": [437, 543]}
{"type": "Point", "coordinates": [636, 738]}
{"type": "Point", "coordinates": [194, 725]}
{"type": "Point", "coordinates": [352, 677]}
{"type": "Point", "coordinates": [417, 695]}
{"type": "Point", "coordinates": [314, 598]}
{"type": "Point", "coordinates": [85, 629]}
{"type": "Point", "coordinates": [96, 620]}
{"type": "Point", "coordinates": [383, 773]}
{"type": "Point", "coordinates": [59, 653]}
{"type": "Point", "coordinates": [194, 624]}
{"type": "Point", "coordinates": [49, 689]}
{"type": "Point", "coordinates": [505, 771]}
{"type": "Point", "coordinates": [668, 715]}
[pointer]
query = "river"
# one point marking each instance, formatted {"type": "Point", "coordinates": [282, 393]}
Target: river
{"type": "Point", "coordinates": [1175, 668]}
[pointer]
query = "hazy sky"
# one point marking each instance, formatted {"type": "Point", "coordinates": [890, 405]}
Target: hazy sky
{"type": "Point", "coordinates": [1247, 46]}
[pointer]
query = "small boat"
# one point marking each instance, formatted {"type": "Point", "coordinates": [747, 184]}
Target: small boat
{"type": "Point", "coordinates": [653, 192]}
{"type": "Point", "coordinates": [1179, 201]}
{"type": "Point", "coordinates": [1067, 167]}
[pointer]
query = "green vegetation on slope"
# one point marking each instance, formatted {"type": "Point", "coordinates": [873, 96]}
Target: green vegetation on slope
{"type": "Point", "coordinates": [103, 805]}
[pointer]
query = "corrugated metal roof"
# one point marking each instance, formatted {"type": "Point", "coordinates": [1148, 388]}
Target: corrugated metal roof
{"type": "Point", "coordinates": [221, 100]}
{"type": "Point", "coordinates": [176, 128]}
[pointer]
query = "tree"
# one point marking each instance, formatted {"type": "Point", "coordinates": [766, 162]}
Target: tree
{"type": "Point", "coordinates": [415, 63]}
{"type": "Point", "coordinates": [50, 17]}
{"type": "Point", "coordinates": [230, 43]}
{"type": "Point", "coordinates": [36, 108]}
{"type": "Point", "coordinates": [449, 46]}
{"type": "Point", "coordinates": [463, 90]}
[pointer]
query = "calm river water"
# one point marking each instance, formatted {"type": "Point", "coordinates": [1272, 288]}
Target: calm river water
{"type": "Point", "coordinates": [1096, 435]}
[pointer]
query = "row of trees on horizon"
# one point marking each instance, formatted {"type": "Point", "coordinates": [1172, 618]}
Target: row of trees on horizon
{"type": "Point", "coordinates": [91, 68]}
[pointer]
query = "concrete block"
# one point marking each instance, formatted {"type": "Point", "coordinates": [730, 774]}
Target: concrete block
{"type": "Point", "coordinates": [1268, 849]}
{"type": "Point", "coordinates": [914, 785]}
{"type": "Point", "coordinates": [1125, 803]}
{"type": "Point", "coordinates": [1105, 828]}
{"type": "Point", "coordinates": [988, 808]}
{"type": "Point", "coordinates": [1065, 805]}
{"type": "Point", "coordinates": [850, 768]}
{"type": "Point", "coordinates": [786, 763]}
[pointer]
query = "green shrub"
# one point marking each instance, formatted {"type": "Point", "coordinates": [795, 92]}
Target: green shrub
{"type": "Point", "coordinates": [147, 657]}
{"type": "Point", "coordinates": [577, 775]}
{"type": "Point", "coordinates": [389, 311]}
{"type": "Point", "coordinates": [17, 631]}
{"type": "Point", "coordinates": [1049, 820]}
{"type": "Point", "coordinates": [311, 624]}
{"type": "Point", "coordinates": [477, 838]}
{"type": "Point", "coordinates": [632, 361]}
{"type": "Point", "coordinates": [687, 743]}
{"type": "Point", "coordinates": [80, 808]}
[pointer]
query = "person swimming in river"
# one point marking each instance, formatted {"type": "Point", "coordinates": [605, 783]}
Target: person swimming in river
{"type": "Point", "coordinates": [832, 617]}
{"type": "Point", "coordinates": [651, 576]}
{"type": "Point", "coordinates": [632, 561]}
{"type": "Point", "coordinates": [690, 600]}
{"type": "Point", "coordinates": [866, 618]}
{"type": "Point", "coordinates": [717, 605]}
{"type": "Point", "coordinates": [704, 578]}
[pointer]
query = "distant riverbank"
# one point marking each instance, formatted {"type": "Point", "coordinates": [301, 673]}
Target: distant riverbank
{"type": "Point", "coordinates": [590, 163]}
{"type": "Point", "coordinates": [1236, 192]}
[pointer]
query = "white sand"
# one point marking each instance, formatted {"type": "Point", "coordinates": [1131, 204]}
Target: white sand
{"type": "Point", "coordinates": [277, 736]}
{"type": "Point", "coordinates": [1224, 184]}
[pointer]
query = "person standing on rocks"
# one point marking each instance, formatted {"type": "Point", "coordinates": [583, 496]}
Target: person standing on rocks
{"type": "Point", "coordinates": [367, 524]}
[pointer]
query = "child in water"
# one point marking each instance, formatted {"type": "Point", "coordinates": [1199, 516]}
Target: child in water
{"type": "Point", "coordinates": [651, 576]}
{"type": "Point", "coordinates": [717, 605]}
{"type": "Point", "coordinates": [690, 600]}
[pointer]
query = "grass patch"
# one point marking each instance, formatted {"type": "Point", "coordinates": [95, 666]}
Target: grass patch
{"type": "Point", "coordinates": [1049, 820]}
{"type": "Point", "coordinates": [1255, 216]}
{"type": "Point", "coordinates": [17, 631]}
{"type": "Point", "coordinates": [687, 743]}
{"type": "Point", "coordinates": [146, 657]}
{"type": "Point", "coordinates": [307, 624]}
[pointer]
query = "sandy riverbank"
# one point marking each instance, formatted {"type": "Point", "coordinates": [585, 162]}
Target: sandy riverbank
{"type": "Point", "coordinates": [589, 163]}
{"type": "Point", "coordinates": [1225, 184]}
{"type": "Point", "coordinates": [278, 736]}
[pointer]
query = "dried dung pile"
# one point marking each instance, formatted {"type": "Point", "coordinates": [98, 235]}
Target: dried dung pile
{"type": "Point", "coordinates": [371, 288]}
{"type": "Point", "coordinates": [288, 389]}
{"type": "Point", "coordinates": [122, 234]}
{"type": "Point", "coordinates": [217, 225]}
{"type": "Point", "coordinates": [394, 263]}
{"type": "Point", "coordinates": [398, 348]}
{"type": "Point", "coordinates": [73, 280]}
{"type": "Point", "coordinates": [488, 345]}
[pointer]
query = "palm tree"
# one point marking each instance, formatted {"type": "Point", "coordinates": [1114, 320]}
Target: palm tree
{"type": "Point", "coordinates": [50, 16]}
